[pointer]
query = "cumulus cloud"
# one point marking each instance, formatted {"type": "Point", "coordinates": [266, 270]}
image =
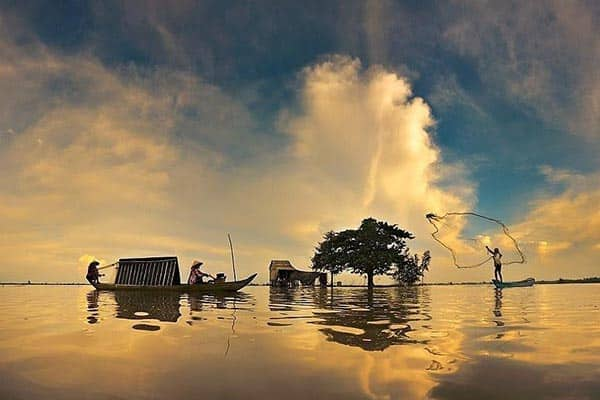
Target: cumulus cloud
{"type": "Point", "coordinates": [366, 132]}
{"type": "Point", "coordinates": [130, 162]}
{"type": "Point", "coordinates": [561, 231]}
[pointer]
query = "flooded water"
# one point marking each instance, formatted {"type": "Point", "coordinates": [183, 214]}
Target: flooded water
{"type": "Point", "coordinates": [442, 342]}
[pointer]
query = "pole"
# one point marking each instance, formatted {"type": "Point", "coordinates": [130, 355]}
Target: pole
{"type": "Point", "coordinates": [108, 266]}
{"type": "Point", "coordinates": [232, 258]}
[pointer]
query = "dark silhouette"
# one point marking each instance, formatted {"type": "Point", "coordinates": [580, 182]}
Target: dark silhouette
{"type": "Point", "coordinates": [329, 254]}
{"type": "Point", "coordinates": [92, 301]}
{"type": "Point", "coordinates": [92, 273]}
{"type": "Point", "coordinates": [370, 319]}
{"type": "Point", "coordinates": [375, 248]}
{"type": "Point", "coordinates": [161, 306]}
{"type": "Point", "coordinates": [413, 269]}
{"type": "Point", "coordinates": [496, 256]}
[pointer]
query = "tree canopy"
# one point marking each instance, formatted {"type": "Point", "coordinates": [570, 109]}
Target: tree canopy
{"type": "Point", "coordinates": [375, 248]}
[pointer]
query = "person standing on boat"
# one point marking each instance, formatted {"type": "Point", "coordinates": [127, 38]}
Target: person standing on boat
{"type": "Point", "coordinates": [196, 275]}
{"type": "Point", "coordinates": [496, 256]}
{"type": "Point", "coordinates": [92, 273]}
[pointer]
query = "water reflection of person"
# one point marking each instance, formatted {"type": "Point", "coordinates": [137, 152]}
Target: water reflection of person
{"type": "Point", "coordinates": [498, 303]}
{"type": "Point", "coordinates": [92, 307]}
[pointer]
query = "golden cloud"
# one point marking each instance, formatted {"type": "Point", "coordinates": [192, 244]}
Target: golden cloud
{"type": "Point", "coordinates": [129, 162]}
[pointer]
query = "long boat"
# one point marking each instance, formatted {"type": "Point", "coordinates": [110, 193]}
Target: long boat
{"type": "Point", "coordinates": [523, 283]}
{"type": "Point", "coordinates": [209, 287]}
{"type": "Point", "coordinates": [162, 274]}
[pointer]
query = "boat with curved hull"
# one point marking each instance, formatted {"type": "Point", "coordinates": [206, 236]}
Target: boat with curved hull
{"type": "Point", "coordinates": [210, 287]}
{"type": "Point", "coordinates": [523, 283]}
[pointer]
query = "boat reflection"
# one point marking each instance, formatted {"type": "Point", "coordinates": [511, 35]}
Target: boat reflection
{"type": "Point", "coordinates": [162, 306]}
{"type": "Point", "coordinates": [198, 302]}
{"type": "Point", "coordinates": [136, 305]}
{"type": "Point", "coordinates": [370, 319]}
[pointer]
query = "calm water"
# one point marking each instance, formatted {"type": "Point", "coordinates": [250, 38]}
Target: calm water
{"type": "Point", "coordinates": [459, 342]}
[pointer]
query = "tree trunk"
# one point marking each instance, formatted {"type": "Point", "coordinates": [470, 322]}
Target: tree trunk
{"type": "Point", "coordinates": [332, 279]}
{"type": "Point", "coordinates": [370, 278]}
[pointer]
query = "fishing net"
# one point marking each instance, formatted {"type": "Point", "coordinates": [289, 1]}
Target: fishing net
{"type": "Point", "coordinates": [466, 234]}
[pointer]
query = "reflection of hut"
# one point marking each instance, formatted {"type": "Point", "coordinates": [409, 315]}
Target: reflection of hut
{"type": "Point", "coordinates": [283, 273]}
{"type": "Point", "coordinates": [137, 304]}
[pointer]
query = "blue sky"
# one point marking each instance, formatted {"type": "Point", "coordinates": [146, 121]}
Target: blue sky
{"type": "Point", "coordinates": [512, 91]}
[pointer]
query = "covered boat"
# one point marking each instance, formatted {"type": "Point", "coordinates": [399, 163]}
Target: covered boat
{"type": "Point", "coordinates": [523, 283]}
{"type": "Point", "coordinates": [162, 273]}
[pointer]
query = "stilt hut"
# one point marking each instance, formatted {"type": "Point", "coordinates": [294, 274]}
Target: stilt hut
{"type": "Point", "coordinates": [283, 273]}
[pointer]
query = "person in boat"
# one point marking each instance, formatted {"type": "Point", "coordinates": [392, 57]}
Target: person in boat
{"type": "Point", "coordinates": [93, 276]}
{"type": "Point", "coordinates": [196, 275]}
{"type": "Point", "coordinates": [497, 257]}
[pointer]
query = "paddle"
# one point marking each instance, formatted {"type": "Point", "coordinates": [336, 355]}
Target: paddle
{"type": "Point", "coordinates": [108, 266]}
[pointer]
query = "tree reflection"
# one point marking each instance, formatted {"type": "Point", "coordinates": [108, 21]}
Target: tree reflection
{"type": "Point", "coordinates": [372, 319]}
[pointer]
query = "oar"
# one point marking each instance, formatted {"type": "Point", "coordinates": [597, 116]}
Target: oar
{"type": "Point", "coordinates": [108, 266]}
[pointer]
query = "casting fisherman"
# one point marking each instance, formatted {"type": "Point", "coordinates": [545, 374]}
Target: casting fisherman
{"type": "Point", "coordinates": [497, 257]}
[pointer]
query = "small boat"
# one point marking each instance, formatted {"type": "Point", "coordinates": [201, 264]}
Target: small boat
{"type": "Point", "coordinates": [210, 287]}
{"type": "Point", "coordinates": [162, 274]}
{"type": "Point", "coordinates": [523, 283]}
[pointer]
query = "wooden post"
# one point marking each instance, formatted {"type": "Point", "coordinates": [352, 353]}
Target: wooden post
{"type": "Point", "coordinates": [232, 258]}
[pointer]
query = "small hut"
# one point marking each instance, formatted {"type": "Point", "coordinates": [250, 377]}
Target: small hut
{"type": "Point", "coordinates": [283, 273]}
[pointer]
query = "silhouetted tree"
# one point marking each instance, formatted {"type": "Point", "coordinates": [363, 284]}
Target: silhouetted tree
{"type": "Point", "coordinates": [372, 249]}
{"type": "Point", "coordinates": [413, 269]}
{"type": "Point", "coordinates": [330, 254]}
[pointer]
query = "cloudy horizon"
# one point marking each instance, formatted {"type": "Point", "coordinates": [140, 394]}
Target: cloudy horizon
{"type": "Point", "coordinates": [139, 129]}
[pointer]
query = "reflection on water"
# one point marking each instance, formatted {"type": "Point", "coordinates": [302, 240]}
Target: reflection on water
{"type": "Point", "coordinates": [345, 343]}
{"type": "Point", "coordinates": [162, 306]}
{"type": "Point", "coordinates": [370, 319]}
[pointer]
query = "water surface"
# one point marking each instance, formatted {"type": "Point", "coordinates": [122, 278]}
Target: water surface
{"type": "Point", "coordinates": [442, 342]}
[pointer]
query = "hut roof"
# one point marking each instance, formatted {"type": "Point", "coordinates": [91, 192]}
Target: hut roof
{"type": "Point", "coordinates": [281, 264]}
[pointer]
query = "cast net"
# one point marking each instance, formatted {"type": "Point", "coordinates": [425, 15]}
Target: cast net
{"type": "Point", "coordinates": [466, 234]}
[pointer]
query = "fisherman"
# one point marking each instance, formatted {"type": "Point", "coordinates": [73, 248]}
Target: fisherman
{"type": "Point", "coordinates": [496, 256]}
{"type": "Point", "coordinates": [92, 273]}
{"type": "Point", "coordinates": [196, 276]}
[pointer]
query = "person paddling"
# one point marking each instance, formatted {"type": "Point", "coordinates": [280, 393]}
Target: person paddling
{"type": "Point", "coordinates": [496, 256]}
{"type": "Point", "coordinates": [196, 276]}
{"type": "Point", "coordinates": [92, 273]}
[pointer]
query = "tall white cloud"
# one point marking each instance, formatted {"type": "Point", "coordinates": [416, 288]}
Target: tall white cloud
{"type": "Point", "coordinates": [134, 162]}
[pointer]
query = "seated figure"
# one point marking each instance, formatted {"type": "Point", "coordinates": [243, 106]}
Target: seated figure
{"type": "Point", "coordinates": [196, 276]}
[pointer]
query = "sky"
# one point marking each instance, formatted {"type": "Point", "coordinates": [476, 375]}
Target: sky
{"type": "Point", "coordinates": [146, 128]}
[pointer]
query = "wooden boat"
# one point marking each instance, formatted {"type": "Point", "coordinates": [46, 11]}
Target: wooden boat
{"type": "Point", "coordinates": [162, 274]}
{"type": "Point", "coordinates": [523, 283]}
{"type": "Point", "coordinates": [210, 287]}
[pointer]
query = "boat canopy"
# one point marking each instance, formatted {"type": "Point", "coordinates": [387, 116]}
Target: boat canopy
{"type": "Point", "coordinates": [148, 271]}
